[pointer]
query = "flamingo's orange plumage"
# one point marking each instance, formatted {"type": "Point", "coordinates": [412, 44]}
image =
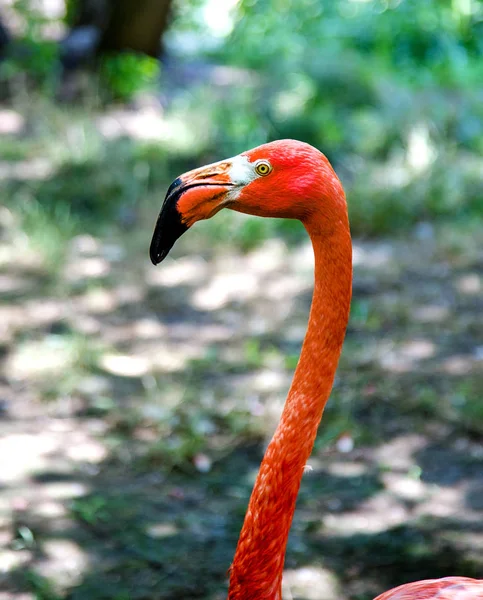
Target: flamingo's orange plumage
{"type": "Point", "coordinates": [287, 179]}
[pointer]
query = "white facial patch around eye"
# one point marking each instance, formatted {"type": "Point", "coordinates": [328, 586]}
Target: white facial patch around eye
{"type": "Point", "coordinates": [242, 171]}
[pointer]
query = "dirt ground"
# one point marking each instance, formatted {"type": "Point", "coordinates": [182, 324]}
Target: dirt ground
{"type": "Point", "coordinates": [136, 403]}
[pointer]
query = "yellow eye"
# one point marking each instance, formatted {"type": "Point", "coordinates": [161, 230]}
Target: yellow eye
{"type": "Point", "coordinates": [263, 168]}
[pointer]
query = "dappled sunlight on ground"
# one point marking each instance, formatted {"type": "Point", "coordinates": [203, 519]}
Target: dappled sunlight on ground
{"type": "Point", "coordinates": [146, 123]}
{"type": "Point", "coordinates": [45, 462]}
{"type": "Point", "coordinates": [11, 122]}
{"type": "Point", "coordinates": [135, 404]}
{"type": "Point", "coordinates": [310, 583]}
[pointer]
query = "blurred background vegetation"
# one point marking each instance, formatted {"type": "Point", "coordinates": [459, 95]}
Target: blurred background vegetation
{"type": "Point", "coordinates": [390, 90]}
{"type": "Point", "coordinates": [155, 394]}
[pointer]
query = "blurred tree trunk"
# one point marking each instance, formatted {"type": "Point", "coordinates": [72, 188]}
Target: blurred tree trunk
{"type": "Point", "coordinates": [116, 25]}
{"type": "Point", "coordinates": [136, 25]}
{"type": "Point", "coordinates": [4, 38]}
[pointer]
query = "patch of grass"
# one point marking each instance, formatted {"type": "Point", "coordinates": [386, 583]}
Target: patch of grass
{"type": "Point", "coordinates": [56, 364]}
{"type": "Point", "coordinates": [48, 230]}
{"type": "Point", "coordinates": [427, 400]}
{"type": "Point", "coordinates": [459, 241]}
{"type": "Point", "coordinates": [42, 587]}
{"type": "Point", "coordinates": [191, 429]}
{"type": "Point", "coordinates": [466, 403]}
{"type": "Point", "coordinates": [89, 185]}
{"type": "Point", "coordinates": [92, 510]}
{"type": "Point", "coordinates": [442, 192]}
{"type": "Point", "coordinates": [364, 316]}
{"type": "Point", "coordinates": [14, 149]}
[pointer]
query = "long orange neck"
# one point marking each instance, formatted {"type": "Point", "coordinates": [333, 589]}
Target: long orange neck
{"type": "Point", "coordinates": [256, 572]}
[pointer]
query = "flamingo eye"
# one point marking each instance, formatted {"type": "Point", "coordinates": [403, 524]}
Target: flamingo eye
{"type": "Point", "coordinates": [263, 167]}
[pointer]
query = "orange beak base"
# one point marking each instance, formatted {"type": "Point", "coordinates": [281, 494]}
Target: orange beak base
{"type": "Point", "coordinates": [176, 217]}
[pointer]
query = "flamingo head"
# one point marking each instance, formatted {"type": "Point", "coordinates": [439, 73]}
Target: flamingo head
{"type": "Point", "coordinates": [285, 178]}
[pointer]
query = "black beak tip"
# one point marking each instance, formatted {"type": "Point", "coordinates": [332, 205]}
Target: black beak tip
{"type": "Point", "coordinates": [169, 226]}
{"type": "Point", "coordinates": [156, 256]}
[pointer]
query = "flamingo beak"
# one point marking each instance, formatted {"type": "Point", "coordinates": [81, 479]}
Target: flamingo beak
{"type": "Point", "coordinates": [196, 195]}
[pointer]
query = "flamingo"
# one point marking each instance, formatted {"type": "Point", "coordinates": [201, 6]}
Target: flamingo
{"type": "Point", "coordinates": [293, 180]}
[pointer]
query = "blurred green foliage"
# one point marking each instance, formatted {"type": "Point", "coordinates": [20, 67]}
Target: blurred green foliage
{"type": "Point", "coordinates": [390, 90]}
{"type": "Point", "coordinates": [128, 73]}
{"type": "Point", "coordinates": [402, 34]}
{"type": "Point", "coordinates": [34, 55]}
